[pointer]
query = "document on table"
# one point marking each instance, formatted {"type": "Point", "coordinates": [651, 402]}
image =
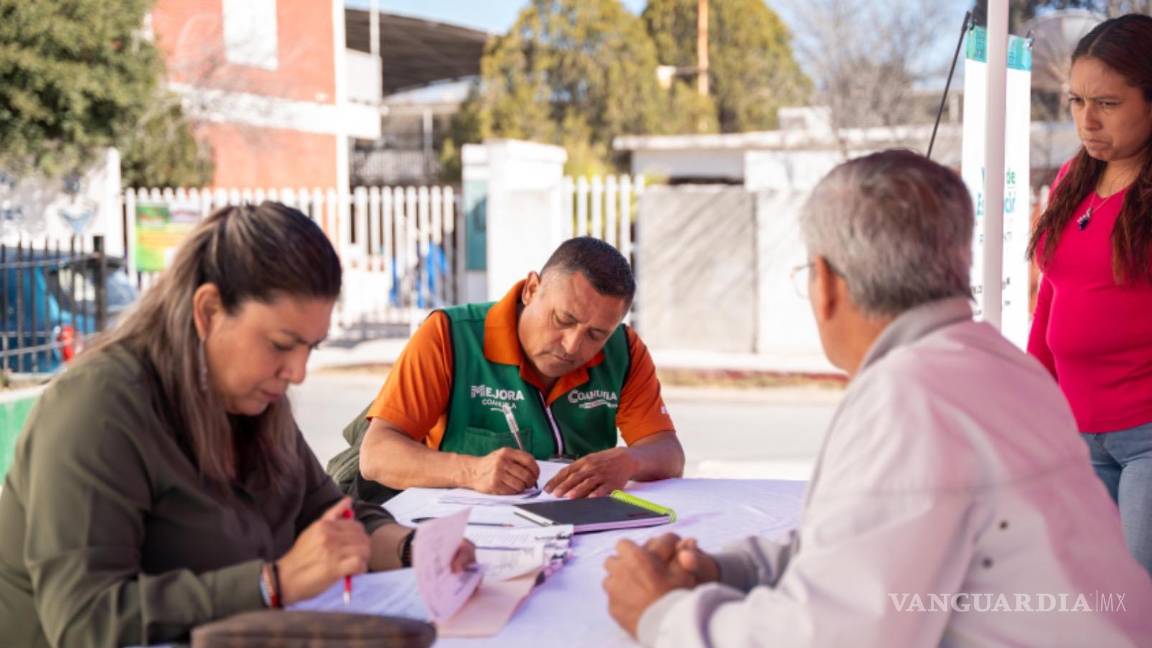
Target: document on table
{"type": "Point", "coordinates": [489, 611]}
{"type": "Point", "coordinates": [433, 548]}
{"type": "Point", "coordinates": [548, 470]}
{"type": "Point", "coordinates": [505, 554]}
{"type": "Point", "coordinates": [392, 593]}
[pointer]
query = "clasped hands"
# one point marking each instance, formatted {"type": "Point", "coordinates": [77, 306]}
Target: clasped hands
{"type": "Point", "coordinates": [639, 575]}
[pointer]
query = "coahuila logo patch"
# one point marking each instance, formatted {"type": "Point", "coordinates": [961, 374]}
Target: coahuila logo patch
{"type": "Point", "coordinates": [497, 397]}
{"type": "Point", "coordinates": [594, 398]}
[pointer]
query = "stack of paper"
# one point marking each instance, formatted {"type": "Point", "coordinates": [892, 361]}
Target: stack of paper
{"type": "Point", "coordinates": [506, 553]}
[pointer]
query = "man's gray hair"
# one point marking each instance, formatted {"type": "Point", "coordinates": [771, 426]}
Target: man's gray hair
{"type": "Point", "coordinates": [897, 226]}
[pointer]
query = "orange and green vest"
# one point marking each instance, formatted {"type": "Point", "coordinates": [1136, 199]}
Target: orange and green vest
{"type": "Point", "coordinates": [579, 422]}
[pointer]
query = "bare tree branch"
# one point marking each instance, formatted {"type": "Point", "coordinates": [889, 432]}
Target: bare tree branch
{"type": "Point", "coordinates": [869, 61]}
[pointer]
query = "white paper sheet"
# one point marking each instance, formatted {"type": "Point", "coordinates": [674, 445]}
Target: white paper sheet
{"type": "Point", "coordinates": [433, 549]}
{"type": "Point", "coordinates": [469, 497]}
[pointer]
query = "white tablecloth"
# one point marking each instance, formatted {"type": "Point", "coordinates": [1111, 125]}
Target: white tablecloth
{"type": "Point", "coordinates": [570, 608]}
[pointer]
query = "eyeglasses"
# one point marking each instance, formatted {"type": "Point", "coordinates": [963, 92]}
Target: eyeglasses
{"type": "Point", "coordinates": [800, 276]}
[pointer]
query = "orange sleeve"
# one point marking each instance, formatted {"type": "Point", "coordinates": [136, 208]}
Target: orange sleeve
{"type": "Point", "coordinates": [642, 412]}
{"type": "Point", "coordinates": [415, 395]}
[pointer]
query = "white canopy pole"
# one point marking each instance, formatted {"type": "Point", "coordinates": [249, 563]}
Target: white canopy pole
{"type": "Point", "coordinates": [994, 161]}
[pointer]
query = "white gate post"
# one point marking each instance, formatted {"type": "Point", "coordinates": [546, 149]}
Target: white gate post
{"type": "Point", "coordinates": [513, 217]}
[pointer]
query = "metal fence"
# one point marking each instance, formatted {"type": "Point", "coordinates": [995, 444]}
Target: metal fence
{"type": "Point", "coordinates": [402, 250]}
{"type": "Point", "coordinates": [55, 296]}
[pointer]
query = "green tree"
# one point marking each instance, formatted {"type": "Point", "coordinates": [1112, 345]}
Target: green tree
{"type": "Point", "coordinates": [575, 73]}
{"type": "Point", "coordinates": [688, 111]}
{"type": "Point", "coordinates": [752, 72]}
{"type": "Point", "coordinates": [75, 76]}
{"type": "Point", "coordinates": [162, 150]}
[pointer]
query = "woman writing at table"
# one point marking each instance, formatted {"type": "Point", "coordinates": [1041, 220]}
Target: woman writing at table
{"type": "Point", "coordinates": [1094, 244]}
{"type": "Point", "coordinates": [162, 483]}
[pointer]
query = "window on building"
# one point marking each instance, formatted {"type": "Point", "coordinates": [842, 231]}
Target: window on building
{"type": "Point", "coordinates": [250, 33]}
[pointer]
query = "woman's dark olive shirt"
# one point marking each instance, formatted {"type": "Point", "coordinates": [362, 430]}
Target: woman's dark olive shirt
{"type": "Point", "coordinates": [108, 536]}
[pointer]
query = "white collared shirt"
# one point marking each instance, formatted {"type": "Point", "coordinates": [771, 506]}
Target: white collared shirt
{"type": "Point", "coordinates": [952, 495]}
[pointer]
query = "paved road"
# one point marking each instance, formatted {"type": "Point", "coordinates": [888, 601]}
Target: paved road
{"type": "Point", "coordinates": [769, 433]}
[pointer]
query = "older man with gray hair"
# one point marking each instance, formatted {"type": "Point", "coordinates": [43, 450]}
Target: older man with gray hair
{"type": "Point", "coordinates": [953, 502]}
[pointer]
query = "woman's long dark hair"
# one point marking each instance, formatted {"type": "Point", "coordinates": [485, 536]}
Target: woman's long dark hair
{"type": "Point", "coordinates": [249, 253]}
{"type": "Point", "coordinates": [1124, 44]}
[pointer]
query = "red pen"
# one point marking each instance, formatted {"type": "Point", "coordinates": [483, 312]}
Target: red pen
{"type": "Point", "coordinates": [348, 578]}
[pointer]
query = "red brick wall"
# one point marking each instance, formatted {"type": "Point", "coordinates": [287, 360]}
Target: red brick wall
{"type": "Point", "coordinates": [191, 36]}
{"type": "Point", "coordinates": [247, 156]}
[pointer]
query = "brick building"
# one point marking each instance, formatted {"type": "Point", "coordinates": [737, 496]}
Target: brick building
{"type": "Point", "coordinates": [267, 84]}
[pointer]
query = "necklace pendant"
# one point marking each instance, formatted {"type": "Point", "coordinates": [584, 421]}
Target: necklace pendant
{"type": "Point", "coordinates": [1083, 221]}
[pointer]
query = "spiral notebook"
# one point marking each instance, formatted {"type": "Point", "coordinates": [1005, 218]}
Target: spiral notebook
{"type": "Point", "coordinates": [619, 510]}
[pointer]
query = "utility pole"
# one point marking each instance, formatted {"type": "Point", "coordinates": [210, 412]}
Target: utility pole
{"type": "Point", "coordinates": [702, 47]}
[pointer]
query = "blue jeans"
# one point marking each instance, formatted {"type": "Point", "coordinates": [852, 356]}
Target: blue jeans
{"type": "Point", "coordinates": [1123, 460]}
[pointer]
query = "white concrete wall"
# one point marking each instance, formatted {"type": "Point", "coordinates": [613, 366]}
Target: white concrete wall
{"type": "Point", "coordinates": [713, 266]}
{"type": "Point", "coordinates": [787, 170]}
{"type": "Point", "coordinates": [523, 225]}
{"type": "Point", "coordinates": [784, 324]}
{"type": "Point", "coordinates": [696, 268]}
{"type": "Point", "coordinates": [697, 163]}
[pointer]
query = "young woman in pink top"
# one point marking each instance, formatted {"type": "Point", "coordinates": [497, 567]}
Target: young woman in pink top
{"type": "Point", "coordinates": [1093, 321]}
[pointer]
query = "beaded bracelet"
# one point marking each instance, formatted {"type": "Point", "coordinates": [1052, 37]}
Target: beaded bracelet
{"type": "Point", "coordinates": [264, 590]}
{"type": "Point", "coordinates": [270, 585]}
{"type": "Point", "coordinates": [277, 601]}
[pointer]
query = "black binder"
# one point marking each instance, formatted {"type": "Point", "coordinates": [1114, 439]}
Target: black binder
{"type": "Point", "coordinates": [597, 513]}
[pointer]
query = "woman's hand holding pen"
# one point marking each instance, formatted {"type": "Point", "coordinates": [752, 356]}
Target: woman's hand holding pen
{"type": "Point", "coordinates": [330, 548]}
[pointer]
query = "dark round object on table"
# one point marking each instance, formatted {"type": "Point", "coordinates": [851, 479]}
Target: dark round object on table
{"type": "Point", "coordinates": [300, 629]}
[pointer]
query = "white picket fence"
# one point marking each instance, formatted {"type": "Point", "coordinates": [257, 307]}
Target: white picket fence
{"type": "Point", "coordinates": [398, 244]}
{"type": "Point", "coordinates": [603, 207]}
{"type": "Point", "coordinates": [402, 247]}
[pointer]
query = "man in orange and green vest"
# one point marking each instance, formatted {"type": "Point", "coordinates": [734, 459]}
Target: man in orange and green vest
{"type": "Point", "coordinates": [551, 362]}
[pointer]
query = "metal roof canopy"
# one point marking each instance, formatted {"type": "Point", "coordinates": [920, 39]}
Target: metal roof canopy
{"type": "Point", "coordinates": [416, 52]}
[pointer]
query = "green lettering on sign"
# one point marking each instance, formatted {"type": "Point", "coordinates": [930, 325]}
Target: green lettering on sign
{"type": "Point", "coordinates": [1019, 49]}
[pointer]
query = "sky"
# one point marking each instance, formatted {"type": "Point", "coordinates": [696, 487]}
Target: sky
{"type": "Point", "coordinates": [494, 16]}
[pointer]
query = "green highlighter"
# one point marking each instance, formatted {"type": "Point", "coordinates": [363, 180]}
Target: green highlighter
{"type": "Point", "coordinates": [644, 504]}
